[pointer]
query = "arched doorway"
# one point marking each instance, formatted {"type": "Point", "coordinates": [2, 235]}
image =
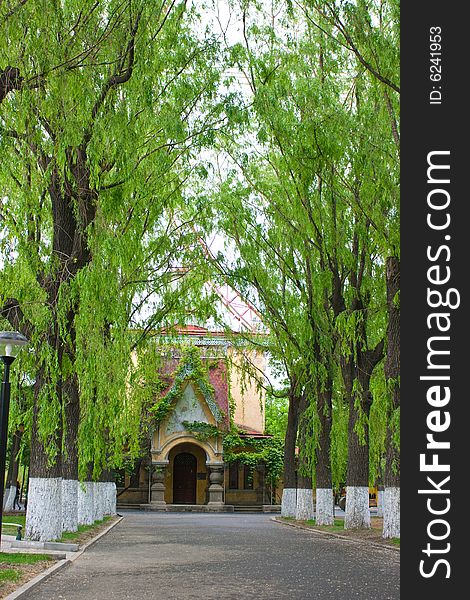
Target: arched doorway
{"type": "Point", "coordinates": [184, 478]}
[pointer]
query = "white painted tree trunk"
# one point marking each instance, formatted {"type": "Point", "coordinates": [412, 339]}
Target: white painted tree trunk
{"type": "Point", "coordinates": [110, 498]}
{"type": "Point", "coordinates": [288, 502]}
{"type": "Point", "coordinates": [98, 501]}
{"type": "Point", "coordinates": [44, 512]}
{"type": "Point", "coordinates": [391, 512]}
{"type": "Point", "coordinates": [380, 503]}
{"type": "Point", "coordinates": [69, 504]}
{"type": "Point", "coordinates": [304, 505]}
{"type": "Point", "coordinates": [8, 498]}
{"type": "Point", "coordinates": [85, 503]}
{"type": "Point", "coordinates": [324, 513]}
{"type": "Point", "coordinates": [357, 508]}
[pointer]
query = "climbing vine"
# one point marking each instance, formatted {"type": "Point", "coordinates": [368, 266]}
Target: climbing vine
{"type": "Point", "coordinates": [190, 368]}
{"type": "Point", "coordinates": [251, 452]}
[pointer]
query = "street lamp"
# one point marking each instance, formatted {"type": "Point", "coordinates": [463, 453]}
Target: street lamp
{"type": "Point", "coordinates": [10, 344]}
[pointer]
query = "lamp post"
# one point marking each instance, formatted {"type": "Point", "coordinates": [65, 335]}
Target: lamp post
{"type": "Point", "coordinates": [10, 344]}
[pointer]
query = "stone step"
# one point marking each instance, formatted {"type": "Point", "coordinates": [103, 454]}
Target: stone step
{"type": "Point", "coordinates": [60, 546]}
{"type": "Point", "coordinates": [247, 508]}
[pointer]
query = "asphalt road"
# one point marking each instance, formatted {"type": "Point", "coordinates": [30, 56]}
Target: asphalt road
{"type": "Point", "coordinates": [186, 556]}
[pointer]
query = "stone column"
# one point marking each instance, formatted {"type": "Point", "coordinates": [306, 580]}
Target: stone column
{"type": "Point", "coordinates": [158, 483]}
{"type": "Point", "coordinates": [216, 485]}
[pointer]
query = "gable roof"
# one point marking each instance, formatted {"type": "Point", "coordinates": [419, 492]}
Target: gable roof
{"type": "Point", "coordinates": [216, 400]}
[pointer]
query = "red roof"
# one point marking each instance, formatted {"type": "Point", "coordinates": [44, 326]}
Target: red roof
{"type": "Point", "coordinates": [250, 432]}
{"type": "Point", "coordinates": [219, 381]}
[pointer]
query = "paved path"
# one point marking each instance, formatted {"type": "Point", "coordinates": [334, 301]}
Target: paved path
{"type": "Point", "coordinates": [188, 556]}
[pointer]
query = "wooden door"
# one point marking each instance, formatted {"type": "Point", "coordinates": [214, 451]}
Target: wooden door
{"type": "Point", "coordinates": [184, 478]}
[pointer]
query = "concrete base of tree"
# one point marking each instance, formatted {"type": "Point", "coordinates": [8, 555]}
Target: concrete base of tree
{"type": "Point", "coordinates": [391, 512]}
{"type": "Point", "coordinates": [9, 498]}
{"type": "Point", "coordinates": [44, 514]}
{"type": "Point", "coordinates": [85, 503]}
{"type": "Point", "coordinates": [304, 505]}
{"type": "Point", "coordinates": [109, 492]}
{"type": "Point", "coordinates": [69, 504]}
{"type": "Point", "coordinates": [380, 503]}
{"type": "Point", "coordinates": [357, 508]}
{"type": "Point", "coordinates": [324, 512]}
{"type": "Point", "coordinates": [289, 502]}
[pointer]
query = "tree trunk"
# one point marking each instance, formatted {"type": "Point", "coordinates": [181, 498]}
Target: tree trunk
{"type": "Point", "coordinates": [44, 511]}
{"type": "Point", "coordinates": [360, 400]}
{"type": "Point", "coordinates": [70, 250]}
{"type": "Point", "coordinates": [357, 478]}
{"type": "Point", "coordinates": [109, 487]}
{"type": "Point", "coordinates": [391, 504]}
{"type": "Point", "coordinates": [12, 476]}
{"type": "Point", "coordinates": [289, 492]}
{"type": "Point", "coordinates": [70, 457]}
{"type": "Point", "coordinates": [324, 488]}
{"type": "Point", "coordinates": [85, 507]}
{"type": "Point", "coordinates": [304, 500]}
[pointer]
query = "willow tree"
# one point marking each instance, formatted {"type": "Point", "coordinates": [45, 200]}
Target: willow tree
{"type": "Point", "coordinates": [101, 104]}
{"type": "Point", "coordinates": [370, 33]}
{"type": "Point", "coordinates": [316, 176]}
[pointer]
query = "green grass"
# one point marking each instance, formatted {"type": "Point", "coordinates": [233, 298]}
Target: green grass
{"type": "Point", "coordinates": [20, 519]}
{"type": "Point", "coordinates": [66, 537]}
{"type": "Point", "coordinates": [70, 536]}
{"type": "Point", "coordinates": [18, 558]}
{"type": "Point", "coordinates": [338, 525]}
{"type": "Point", "coordinates": [9, 575]}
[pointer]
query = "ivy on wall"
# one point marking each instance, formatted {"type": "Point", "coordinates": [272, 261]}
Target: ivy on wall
{"type": "Point", "coordinates": [251, 452]}
{"type": "Point", "coordinates": [190, 368]}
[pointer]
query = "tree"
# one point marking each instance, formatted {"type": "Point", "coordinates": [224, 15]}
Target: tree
{"type": "Point", "coordinates": [317, 200]}
{"type": "Point", "coordinates": [99, 115]}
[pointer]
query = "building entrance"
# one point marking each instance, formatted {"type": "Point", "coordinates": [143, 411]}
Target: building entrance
{"type": "Point", "coordinates": [184, 478]}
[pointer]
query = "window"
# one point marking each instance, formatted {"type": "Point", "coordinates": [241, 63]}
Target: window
{"type": "Point", "coordinates": [233, 476]}
{"type": "Point", "coordinates": [248, 475]}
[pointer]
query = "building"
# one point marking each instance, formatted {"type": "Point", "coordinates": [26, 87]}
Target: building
{"type": "Point", "coordinates": [204, 395]}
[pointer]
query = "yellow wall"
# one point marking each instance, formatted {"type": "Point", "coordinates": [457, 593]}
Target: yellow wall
{"type": "Point", "coordinates": [249, 401]}
{"type": "Point", "coordinates": [243, 496]}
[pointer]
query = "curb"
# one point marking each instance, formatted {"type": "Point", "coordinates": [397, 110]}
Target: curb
{"type": "Point", "coordinates": [75, 555]}
{"type": "Point", "coordinates": [59, 565]}
{"type": "Point", "coordinates": [35, 580]}
{"type": "Point", "coordinates": [335, 535]}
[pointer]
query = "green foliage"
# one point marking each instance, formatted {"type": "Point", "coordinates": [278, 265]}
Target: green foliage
{"type": "Point", "coordinates": [190, 368]}
{"type": "Point", "coordinates": [113, 101]}
{"type": "Point", "coordinates": [339, 440]}
{"type": "Point", "coordinates": [276, 415]}
{"type": "Point", "coordinates": [312, 205]}
{"type": "Point", "coordinates": [123, 124]}
{"type": "Point", "coordinates": [252, 452]}
{"type": "Point", "coordinates": [202, 431]}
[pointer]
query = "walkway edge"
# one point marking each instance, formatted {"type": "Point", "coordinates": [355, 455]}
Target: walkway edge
{"type": "Point", "coordinates": [74, 555]}
{"type": "Point", "coordinates": [59, 564]}
{"type": "Point", "coordinates": [335, 535]}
